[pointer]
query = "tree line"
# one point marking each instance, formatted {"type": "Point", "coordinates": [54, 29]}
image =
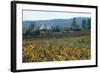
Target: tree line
{"type": "Point", "coordinates": [85, 25]}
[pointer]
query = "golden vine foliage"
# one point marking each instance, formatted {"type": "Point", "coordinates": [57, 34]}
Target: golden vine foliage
{"type": "Point", "coordinates": [64, 49]}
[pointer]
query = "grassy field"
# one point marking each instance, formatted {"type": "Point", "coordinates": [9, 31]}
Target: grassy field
{"type": "Point", "coordinates": [56, 49]}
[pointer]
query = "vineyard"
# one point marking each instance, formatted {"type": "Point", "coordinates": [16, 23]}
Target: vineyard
{"type": "Point", "coordinates": [56, 49]}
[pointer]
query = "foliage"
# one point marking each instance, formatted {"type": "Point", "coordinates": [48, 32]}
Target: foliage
{"type": "Point", "coordinates": [74, 25]}
{"type": "Point", "coordinates": [86, 24]}
{"type": "Point", "coordinates": [53, 49]}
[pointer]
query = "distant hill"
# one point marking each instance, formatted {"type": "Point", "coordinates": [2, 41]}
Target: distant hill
{"type": "Point", "coordinates": [53, 23]}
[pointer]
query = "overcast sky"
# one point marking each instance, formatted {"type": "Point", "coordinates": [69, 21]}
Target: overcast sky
{"type": "Point", "coordinates": [47, 15]}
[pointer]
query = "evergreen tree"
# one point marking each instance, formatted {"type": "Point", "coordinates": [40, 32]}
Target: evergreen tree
{"type": "Point", "coordinates": [74, 24]}
{"type": "Point", "coordinates": [89, 23]}
{"type": "Point", "coordinates": [84, 24]}
{"type": "Point", "coordinates": [33, 24]}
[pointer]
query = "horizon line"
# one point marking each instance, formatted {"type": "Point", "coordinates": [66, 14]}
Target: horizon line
{"type": "Point", "coordinates": [56, 19]}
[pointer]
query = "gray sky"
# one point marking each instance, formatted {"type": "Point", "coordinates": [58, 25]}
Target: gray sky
{"type": "Point", "coordinates": [47, 15]}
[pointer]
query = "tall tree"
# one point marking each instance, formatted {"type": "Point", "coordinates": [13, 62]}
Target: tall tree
{"type": "Point", "coordinates": [84, 23]}
{"type": "Point", "coordinates": [33, 25]}
{"type": "Point", "coordinates": [89, 23]}
{"type": "Point", "coordinates": [74, 24]}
